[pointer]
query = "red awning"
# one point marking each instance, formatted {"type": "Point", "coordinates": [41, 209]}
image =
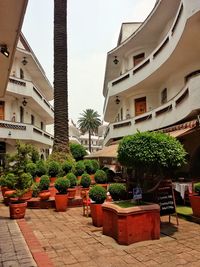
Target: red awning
{"type": "Point", "coordinates": [181, 129]}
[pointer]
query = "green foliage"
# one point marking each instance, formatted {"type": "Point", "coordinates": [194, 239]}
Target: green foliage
{"type": "Point", "coordinates": [78, 151]}
{"type": "Point", "coordinates": [60, 156]}
{"type": "Point", "coordinates": [72, 178]}
{"type": "Point", "coordinates": [31, 168]}
{"type": "Point", "coordinates": [117, 191]}
{"type": "Point", "coordinates": [95, 165]}
{"type": "Point", "coordinates": [98, 194]}
{"type": "Point", "coordinates": [41, 168]}
{"type": "Point", "coordinates": [53, 168]}
{"type": "Point", "coordinates": [67, 166]}
{"type": "Point", "coordinates": [79, 168]}
{"type": "Point", "coordinates": [85, 180]}
{"type": "Point", "coordinates": [23, 184]}
{"type": "Point", "coordinates": [100, 177]}
{"type": "Point", "coordinates": [197, 188]}
{"type": "Point", "coordinates": [62, 184]}
{"type": "Point", "coordinates": [151, 151]}
{"type": "Point", "coordinates": [36, 189]}
{"type": "Point", "coordinates": [8, 180]}
{"type": "Point", "coordinates": [88, 166]}
{"type": "Point", "coordinates": [44, 182]}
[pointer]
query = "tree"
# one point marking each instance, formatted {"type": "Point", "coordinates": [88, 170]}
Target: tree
{"type": "Point", "coordinates": [61, 130]}
{"type": "Point", "coordinates": [151, 154]}
{"type": "Point", "coordinates": [78, 151]}
{"type": "Point", "coordinates": [89, 122]}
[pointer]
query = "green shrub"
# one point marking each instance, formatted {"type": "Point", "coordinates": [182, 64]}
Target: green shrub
{"type": "Point", "coordinates": [36, 189]}
{"type": "Point", "coordinates": [117, 191]}
{"type": "Point", "coordinates": [197, 188]}
{"type": "Point", "coordinates": [62, 184]}
{"type": "Point", "coordinates": [88, 166]}
{"type": "Point", "coordinates": [31, 168]}
{"type": "Point", "coordinates": [44, 182]}
{"type": "Point", "coordinates": [9, 180]}
{"type": "Point", "coordinates": [95, 165]}
{"type": "Point", "coordinates": [67, 166]}
{"type": "Point", "coordinates": [98, 194]}
{"type": "Point", "coordinates": [78, 151]}
{"type": "Point", "coordinates": [41, 168]}
{"type": "Point", "coordinates": [72, 179]}
{"type": "Point", "coordinates": [85, 180]}
{"type": "Point", "coordinates": [100, 177]}
{"type": "Point", "coordinates": [53, 168]}
{"type": "Point", "coordinates": [79, 168]}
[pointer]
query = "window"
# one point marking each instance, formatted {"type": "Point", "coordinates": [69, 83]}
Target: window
{"type": "Point", "coordinates": [138, 58]}
{"type": "Point", "coordinates": [21, 114]}
{"type": "Point", "coordinates": [41, 125]}
{"type": "Point", "coordinates": [121, 113]}
{"type": "Point", "coordinates": [32, 120]}
{"type": "Point", "coordinates": [164, 96]}
{"type": "Point", "coordinates": [21, 74]}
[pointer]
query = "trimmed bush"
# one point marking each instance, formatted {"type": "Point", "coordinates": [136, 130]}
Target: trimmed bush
{"type": "Point", "coordinates": [53, 168]}
{"type": "Point", "coordinates": [62, 184]}
{"type": "Point", "coordinates": [85, 180]}
{"type": "Point", "coordinates": [31, 168]}
{"type": "Point", "coordinates": [88, 166]}
{"type": "Point", "coordinates": [44, 182]}
{"type": "Point", "coordinates": [41, 168]}
{"type": "Point", "coordinates": [9, 180]}
{"type": "Point", "coordinates": [95, 165]}
{"type": "Point", "coordinates": [36, 189]}
{"type": "Point", "coordinates": [98, 194]}
{"type": "Point", "coordinates": [72, 179]}
{"type": "Point", "coordinates": [67, 166]}
{"type": "Point", "coordinates": [79, 168]}
{"type": "Point", "coordinates": [100, 177]}
{"type": "Point", "coordinates": [117, 191]}
{"type": "Point", "coordinates": [78, 151]}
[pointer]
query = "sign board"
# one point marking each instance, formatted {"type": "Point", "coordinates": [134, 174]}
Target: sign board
{"type": "Point", "coordinates": [137, 193]}
{"type": "Point", "coordinates": [166, 201]}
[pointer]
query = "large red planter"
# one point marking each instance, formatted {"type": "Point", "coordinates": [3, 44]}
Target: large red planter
{"type": "Point", "coordinates": [130, 225]}
{"type": "Point", "coordinates": [96, 214]}
{"type": "Point", "coordinates": [17, 210]}
{"type": "Point", "coordinates": [195, 204]}
{"type": "Point", "coordinates": [61, 201]}
{"type": "Point", "coordinates": [71, 193]}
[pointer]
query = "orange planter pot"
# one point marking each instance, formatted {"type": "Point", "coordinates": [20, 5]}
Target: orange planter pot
{"type": "Point", "coordinates": [92, 179]}
{"type": "Point", "coordinates": [61, 201]}
{"type": "Point", "coordinates": [195, 204]}
{"type": "Point", "coordinates": [71, 193]}
{"type": "Point", "coordinates": [130, 225]}
{"type": "Point", "coordinates": [96, 214]}
{"type": "Point", "coordinates": [3, 190]}
{"type": "Point", "coordinates": [52, 180]}
{"type": "Point", "coordinates": [44, 195]}
{"type": "Point", "coordinates": [17, 210]}
{"type": "Point", "coordinates": [37, 179]}
{"type": "Point", "coordinates": [26, 196]}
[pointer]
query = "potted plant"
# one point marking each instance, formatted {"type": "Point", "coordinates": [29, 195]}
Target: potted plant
{"type": "Point", "coordinates": [117, 191]}
{"type": "Point", "coordinates": [95, 167]}
{"type": "Point", "coordinates": [53, 170]}
{"type": "Point", "coordinates": [31, 168]}
{"type": "Point", "coordinates": [44, 187]}
{"type": "Point", "coordinates": [72, 188]}
{"type": "Point", "coordinates": [41, 169]}
{"type": "Point", "coordinates": [67, 166]}
{"type": "Point", "coordinates": [100, 177]}
{"type": "Point", "coordinates": [195, 200]}
{"type": "Point", "coordinates": [79, 169]}
{"type": "Point", "coordinates": [61, 198]}
{"type": "Point", "coordinates": [98, 195]}
{"type": "Point", "coordinates": [7, 183]}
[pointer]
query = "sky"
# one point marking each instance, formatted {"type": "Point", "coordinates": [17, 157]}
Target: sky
{"type": "Point", "coordinates": [93, 30]}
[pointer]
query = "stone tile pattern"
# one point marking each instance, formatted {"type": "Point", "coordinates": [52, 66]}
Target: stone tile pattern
{"type": "Point", "coordinates": [70, 239]}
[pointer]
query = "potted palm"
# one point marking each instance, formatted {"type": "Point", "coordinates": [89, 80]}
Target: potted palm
{"type": "Point", "coordinates": [61, 198]}
{"type": "Point", "coordinates": [72, 188]}
{"type": "Point", "coordinates": [98, 196]}
{"type": "Point", "coordinates": [100, 178]}
{"type": "Point", "coordinates": [44, 184]}
{"type": "Point", "coordinates": [53, 168]}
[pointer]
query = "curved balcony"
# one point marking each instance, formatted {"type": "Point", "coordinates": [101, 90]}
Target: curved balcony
{"type": "Point", "coordinates": [38, 103]}
{"type": "Point", "coordinates": [184, 105]}
{"type": "Point", "coordinates": [24, 132]}
{"type": "Point", "coordinates": [160, 62]}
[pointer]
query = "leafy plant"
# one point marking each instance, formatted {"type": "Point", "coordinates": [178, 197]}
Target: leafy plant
{"type": "Point", "coordinates": [53, 168]}
{"type": "Point", "coordinates": [78, 151]}
{"type": "Point", "coordinates": [79, 168]}
{"type": "Point", "coordinates": [117, 191]}
{"type": "Point", "coordinates": [36, 189]}
{"type": "Point", "coordinates": [85, 180]}
{"type": "Point", "coordinates": [100, 177]}
{"type": "Point", "coordinates": [95, 165]}
{"type": "Point", "coordinates": [98, 194]}
{"type": "Point", "coordinates": [31, 168]}
{"type": "Point", "coordinates": [62, 184]}
{"type": "Point", "coordinates": [8, 180]}
{"type": "Point", "coordinates": [67, 166]}
{"type": "Point", "coordinates": [88, 166]}
{"type": "Point", "coordinates": [23, 184]}
{"type": "Point", "coordinates": [44, 182]}
{"type": "Point", "coordinates": [197, 188]}
{"type": "Point", "coordinates": [41, 168]}
{"type": "Point", "coordinates": [72, 178]}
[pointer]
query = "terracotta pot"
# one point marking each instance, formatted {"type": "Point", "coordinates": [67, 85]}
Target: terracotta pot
{"type": "Point", "coordinates": [37, 179]}
{"type": "Point", "coordinates": [61, 201]}
{"type": "Point", "coordinates": [195, 204]}
{"type": "Point", "coordinates": [92, 179]}
{"type": "Point", "coordinates": [27, 195]}
{"type": "Point", "coordinates": [3, 190]}
{"type": "Point", "coordinates": [17, 210]}
{"type": "Point", "coordinates": [44, 195]}
{"type": "Point", "coordinates": [96, 214]}
{"type": "Point", "coordinates": [7, 196]}
{"type": "Point", "coordinates": [71, 193]}
{"type": "Point", "coordinates": [52, 180]}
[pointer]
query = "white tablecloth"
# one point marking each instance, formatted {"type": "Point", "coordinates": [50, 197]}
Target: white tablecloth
{"type": "Point", "coordinates": [182, 188]}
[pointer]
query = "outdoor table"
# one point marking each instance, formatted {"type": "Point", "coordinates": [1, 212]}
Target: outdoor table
{"type": "Point", "coordinates": [182, 188]}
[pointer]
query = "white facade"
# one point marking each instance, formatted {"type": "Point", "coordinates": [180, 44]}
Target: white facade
{"type": "Point", "coordinates": [25, 110]}
{"type": "Point", "coordinates": [155, 82]}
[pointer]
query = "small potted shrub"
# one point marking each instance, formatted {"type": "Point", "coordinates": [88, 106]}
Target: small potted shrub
{"type": "Point", "coordinates": [85, 181]}
{"type": "Point", "coordinates": [117, 191]}
{"type": "Point", "coordinates": [67, 167]}
{"type": "Point", "coordinates": [61, 198]}
{"type": "Point", "coordinates": [41, 169]}
{"type": "Point", "coordinates": [79, 169]}
{"type": "Point", "coordinates": [98, 195]}
{"type": "Point", "coordinates": [88, 166]}
{"type": "Point", "coordinates": [73, 182]}
{"type": "Point", "coordinates": [31, 168]}
{"type": "Point", "coordinates": [8, 183]}
{"type": "Point", "coordinates": [101, 178]}
{"type": "Point", "coordinates": [53, 170]}
{"type": "Point", "coordinates": [195, 200]}
{"type": "Point", "coordinates": [44, 187]}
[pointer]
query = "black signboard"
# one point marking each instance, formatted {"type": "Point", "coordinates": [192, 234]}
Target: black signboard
{"type": "Point", "coordinates": [166, 201]}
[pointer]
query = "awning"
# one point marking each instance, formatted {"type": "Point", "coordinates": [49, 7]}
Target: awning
{"type": "Point", "coordinates": [106, 152]}
{"type": "Point", "coordinates": [181, 129]}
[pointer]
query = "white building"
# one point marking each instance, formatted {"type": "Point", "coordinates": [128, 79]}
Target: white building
{"type": "Point", "coordinates": [152, 77]}
{"type": "Point", "coordinates": [24, 108]}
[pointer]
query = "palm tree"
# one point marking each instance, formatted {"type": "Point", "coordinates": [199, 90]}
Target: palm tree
{"type": "Point", "coordinates": [61, 131]}
{"type": "Point", "coordinates": [89, 122]}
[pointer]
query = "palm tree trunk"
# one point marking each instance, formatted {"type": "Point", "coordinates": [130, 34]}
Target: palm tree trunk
{"type": "Point", "coordinates": [89, 141]}
{"type": "Point", "coordinates": [61, 131]}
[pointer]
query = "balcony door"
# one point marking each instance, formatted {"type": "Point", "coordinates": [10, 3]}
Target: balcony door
{"type": "Point", "coordinates": [21, 114]}
{"type": "Point", "coordinates": [140, 106]}
{"type": "Point", "coordinates": [2, 107]}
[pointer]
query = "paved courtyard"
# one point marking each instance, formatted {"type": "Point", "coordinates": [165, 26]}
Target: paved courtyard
{"type": "Point", "coordinates": [69, 239]}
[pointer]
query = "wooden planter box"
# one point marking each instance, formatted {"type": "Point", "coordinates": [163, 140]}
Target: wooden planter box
{"type": "Point", "coordinates": [195, 204]}
{"type": "Point", "coordinates": [130, 225]}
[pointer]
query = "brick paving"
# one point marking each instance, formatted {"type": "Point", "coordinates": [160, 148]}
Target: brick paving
{"type": "Point", "coordinates": [69, 239]}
